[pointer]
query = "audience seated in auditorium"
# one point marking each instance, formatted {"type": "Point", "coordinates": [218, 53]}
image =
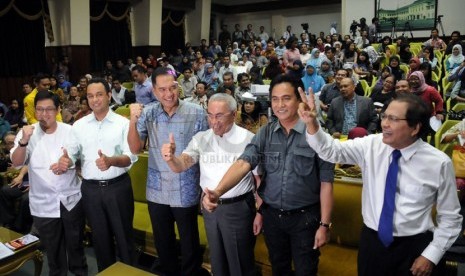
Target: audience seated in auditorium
{"type": "Point", "coordinates": [427, 55]}
{"type": "Point", "coordinates": [332, 90]}
{"type": "Point", "coordinates": [187, 83]}
{"type": "Point", "coordinates": [312, 79]}
{"type": "Point", "coordinates": [427, 71]}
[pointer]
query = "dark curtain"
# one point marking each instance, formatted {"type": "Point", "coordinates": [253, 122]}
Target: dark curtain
{"type": "Point", "coordinates": [172, 31]}
{"type": "Point", "coordinates": [22, 51]}
{"type": "Point", "coordinates": [110, 37]}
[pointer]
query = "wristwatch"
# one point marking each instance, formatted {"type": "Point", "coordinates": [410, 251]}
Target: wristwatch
{"type": "Point", "coordinates": [21, 144]}
{"type": "Point", "coordinates": [327, 225]}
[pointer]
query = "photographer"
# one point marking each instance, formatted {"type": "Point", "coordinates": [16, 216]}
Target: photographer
{"type": "Point", "coordinates": [373, 30]}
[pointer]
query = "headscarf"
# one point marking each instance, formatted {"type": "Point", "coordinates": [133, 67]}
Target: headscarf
{"type": "Point", "coordinates": [423, 84]}
{"type": "Point", "coordinates": [396, 70]}
{"type": "Point", "coordinates": [392, 49]}
{"type": "Point", "coordinates": [417, 62]}
{"type": "Point", "coordinates": [314, 60]}
{"type": "Point", "coordinates": [456, 59]}
{"type": "Point", "coordinates": [208, 77]}
{"type": "Point", "coordinates": [314, 80]}
{"type": "Point", "coordinates": [329, 72]}
{"type": "Point", "coordinates": [296, 74]}
{"type": "Point", "coordinates": [372, 54]}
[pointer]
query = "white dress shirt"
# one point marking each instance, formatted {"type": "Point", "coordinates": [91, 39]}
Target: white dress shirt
{"type": "Point", "coordinates": [215, 154]}
{"type": "Point", "coordinates": [426, 177]}
{"type": "Point", "coordinates": [47, 189]}
{"type": "Point", "coordinates": [109, 135]}
{"type": "Point", "coordinates": [118, 97]}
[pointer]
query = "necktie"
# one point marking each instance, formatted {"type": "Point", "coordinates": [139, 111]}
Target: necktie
{"type": "Point", "coordinates": [386, 220]}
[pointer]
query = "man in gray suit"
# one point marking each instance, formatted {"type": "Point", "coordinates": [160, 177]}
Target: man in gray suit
{"type": "Point", "coordinates": [349, 111]}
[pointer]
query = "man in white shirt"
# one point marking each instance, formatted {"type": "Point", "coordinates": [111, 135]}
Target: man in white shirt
{"type": "Point", "coordinates": [99, 140]}
{"type": "Point", "coordinates": [304, 54]}
{"type": "Point", "coordinates": [117, 92]}
{"type": "Point", "coordinates": [54, 195]}
{"type": "Point", "coordinates": [263, 36]}
{"type": "Point", "coordinates": [227, 67]}
{"type": "Point", "coordinates": [231, 228]}
{"type": "Point", "coordinates": [425, 178]}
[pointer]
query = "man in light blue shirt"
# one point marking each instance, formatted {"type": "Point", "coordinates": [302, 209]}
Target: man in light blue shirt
{"type": "Point", "coordinates": [143, 86]}
{"type": "Point", "coordinates": [172, 197]}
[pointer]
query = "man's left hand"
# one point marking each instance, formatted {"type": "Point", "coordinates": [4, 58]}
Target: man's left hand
{"type": "Point", "coordinates": [321, 237]}
{"type": "Point", "coordinates": [422, 267]}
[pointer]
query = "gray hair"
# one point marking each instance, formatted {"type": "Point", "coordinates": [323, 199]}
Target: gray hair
{"type": "Point", "coordinates": [223, 97]}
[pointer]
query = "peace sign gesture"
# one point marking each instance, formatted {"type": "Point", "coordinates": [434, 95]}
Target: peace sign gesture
{"type": "Point", "coordinates": [308, 112]}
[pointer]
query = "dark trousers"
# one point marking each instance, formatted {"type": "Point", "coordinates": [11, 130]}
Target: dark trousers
{"type": "Point", "coordinates": [110, 212]}
{"type": "Point", "coordinates": [397, 259]}
{"type": "Point", "coordinates": [21, 221]}
{"type": "Point", "coordinates": [163, 218]}
{"type": "Point", "coordinates": [62, 239]}
{"type": "Point", "coordinates": [230, 238]}
{"type": "Point", "coordinates": [290, 238]}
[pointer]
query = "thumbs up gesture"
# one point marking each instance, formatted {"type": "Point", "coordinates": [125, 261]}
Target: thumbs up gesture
{"type": "Point", "coordinates": [168, 150]}
{"type": "Point", "coordinates": [62, 165]}
{"type": "Point", "coordinates": [210, 200]}
{"type": "Point", "coordinates": [103, 162]}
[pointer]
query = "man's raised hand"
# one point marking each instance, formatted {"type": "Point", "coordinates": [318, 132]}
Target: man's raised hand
{"type": "Point", "coordinates": [307, 111]}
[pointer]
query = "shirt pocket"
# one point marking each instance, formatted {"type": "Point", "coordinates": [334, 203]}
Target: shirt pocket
{"type": "Point", "coordinates": [303, 161]}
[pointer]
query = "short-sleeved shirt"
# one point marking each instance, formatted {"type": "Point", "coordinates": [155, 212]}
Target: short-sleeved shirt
{"type": "Point", "coordinates": [215, 155]}
{"type": "Point", "coordinates": [293, 172]}
{"type": "Point", "coordinates": [163, 185]}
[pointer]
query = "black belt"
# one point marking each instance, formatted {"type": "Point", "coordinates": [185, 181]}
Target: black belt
{"type": "Point", "coordinates": [283, 212]}
{"type": "Point", "coordinates": [104, 183]}
{"type": "Point", "coordinates": [234, 199]}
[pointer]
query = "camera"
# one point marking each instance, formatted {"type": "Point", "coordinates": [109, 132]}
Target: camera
{"type": "Point", "coordinates": [304, 26]}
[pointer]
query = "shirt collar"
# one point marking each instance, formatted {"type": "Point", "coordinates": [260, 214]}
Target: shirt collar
{"type": "Point", "coordinates": [299, 127]}
{"type": "Point", "coordinates": [110, 117]}
{"type": "Point", "coordinates": [159, 109]}
{"type": "Point", "coordinates": [409, 151]}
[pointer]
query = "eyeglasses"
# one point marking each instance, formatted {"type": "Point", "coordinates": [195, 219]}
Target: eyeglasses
{"type": "Point", "coordinates": [390, 118]}
{"type": "Point", "coordinates": [219, 116]}
{"type": "Point", "coordinates": [47, 110]}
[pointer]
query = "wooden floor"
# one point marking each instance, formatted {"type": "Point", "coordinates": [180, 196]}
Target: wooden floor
{"type": "Point", "coordinates": [334, 260]}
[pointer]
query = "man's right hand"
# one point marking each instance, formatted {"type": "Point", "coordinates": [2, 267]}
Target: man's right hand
{"type": "Point", "coordinates": [135, 110]}
{"type": "Point", "coordinates": [27, 133]}
{"type": "Point", "coordinates": [168, 150]}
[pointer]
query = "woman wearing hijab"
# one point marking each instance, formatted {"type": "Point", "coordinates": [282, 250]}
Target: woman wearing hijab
{"type": "Point", "coordinates": [414, 65]}
{"type": "Point", "coordinates": [296, 70]}
{"type": "Point", "coordinates": [394, 64]}
{"type": "Point", "coordinates": [427, 71]}
{"type": "Point", "coordinates": [311, 79]}
{"type": "Point", "coordinates": [455, 59]}
{"type": "Point", "coordinates": [210, 76]}
{"type": "Point", "coordinates": [326, 70]}
{"type": "Point", "coordinates": [315, 59]}
{"type": "Point", "coordinates": [428, 93]}
{"type": "Point", "coordinates": [273, 69]}
{"type": "Point", "coordinates": [404, 53]}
